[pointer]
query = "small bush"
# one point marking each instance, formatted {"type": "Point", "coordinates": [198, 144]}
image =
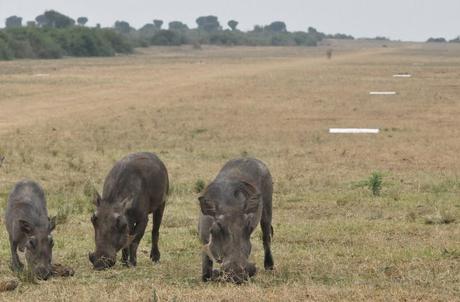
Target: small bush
{"type": "Point", "coordinates": [375, 183]}
{"type": "Point", "coordinates": [168, 38]}
{"type": "Point", "coordinates": [6, 53]}
{"type": "Point", "coordinates": [199, 186]}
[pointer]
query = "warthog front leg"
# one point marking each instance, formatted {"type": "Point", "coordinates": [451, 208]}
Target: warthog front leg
{"type": "Point", "coordinates": [267, 232]}
{"type": "Point", "coordinates": [16, 264]}
{"type": "Point", "coordinates": [125, 256]}
{"type": "Point", "coordinates": [139, 230]}
{"type": "Point", "coordinates": [157, 217]}
{"type": "Point", "coordinates": [206, 265]}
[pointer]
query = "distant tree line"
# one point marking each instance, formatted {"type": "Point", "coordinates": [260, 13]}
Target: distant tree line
{"type": "Point", "coordinates": [210, 31]}
{"type": "Point", "coordinates": [53, 35]}
{"type": "Point", "coordinates": [443, 40]}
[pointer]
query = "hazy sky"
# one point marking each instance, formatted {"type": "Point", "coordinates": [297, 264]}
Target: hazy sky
{"type": "Point", "coordinates": [414, 20]}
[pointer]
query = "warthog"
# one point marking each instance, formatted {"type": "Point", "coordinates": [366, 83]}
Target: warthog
{"type": "Point", "coordinates": [231, 207]}
{"type": "Point", "coordinates": [29, 228]}
{"type": "Point", "coordinates": [136, 186]}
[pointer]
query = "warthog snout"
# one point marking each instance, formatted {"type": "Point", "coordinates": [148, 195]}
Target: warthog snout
{"type": "Point", "coordinates": [237, 273]}
{"type": "Point", "coordinates": [102, 262]}
{"type": "Point", "coordinates": [42, 273]}
{"type": "Point", "coordinates": [251, 269]}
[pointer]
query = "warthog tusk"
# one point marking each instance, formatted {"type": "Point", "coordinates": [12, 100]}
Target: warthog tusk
{"type": "Point", "coordinates": [208, 251]}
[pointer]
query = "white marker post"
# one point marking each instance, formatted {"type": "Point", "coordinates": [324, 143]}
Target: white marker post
{"type": "Point", "coordinates": [354, 131]}
{"type": "Point", "coordinates": [382, 93]}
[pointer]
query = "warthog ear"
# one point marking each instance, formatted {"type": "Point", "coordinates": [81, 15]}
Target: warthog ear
{"type": "Point", "coordinates": [52, 223]}
{"type": "Point", "coordinates": [26, 227]}
{"type": "Point", "coordinates": [207, 207]}
{"type": "Point", "coordinates": [251, 196]}
{"type": "Point", "coordinates": [127, 203]}
{"type": "Point", "coordinates": [96, 198]}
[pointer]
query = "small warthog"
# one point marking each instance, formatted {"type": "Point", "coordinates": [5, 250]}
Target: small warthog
{"type": "Point", "coordinates": [135, 187]}
{"type": "Point", "coordinates": [29, 228]}
{"type": "Point", "coordinates": [232, 205]}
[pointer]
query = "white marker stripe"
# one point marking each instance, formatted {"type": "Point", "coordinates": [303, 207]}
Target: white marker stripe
{"type": "Point", "coordinates": [402, 76]}
{"type": "Point", "coordinates": [354, 130]}
{"type": "Point", "coordinates": [382, 93]}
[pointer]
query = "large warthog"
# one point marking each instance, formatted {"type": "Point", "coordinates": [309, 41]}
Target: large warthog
{"type": "Point", "coordinates": [135, 187]}
{"type": "Point", "coordinates": [231, 207]}
{"type": "Point", "coordinates": [29, 228]}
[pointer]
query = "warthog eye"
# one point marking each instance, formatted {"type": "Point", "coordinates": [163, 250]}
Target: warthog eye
{"type": "Point", "coordinates": [94, 218]}
{"type": "Point", "coordinates": [217, 229]}
{"type": "Point", "coordinates": [31, 243]}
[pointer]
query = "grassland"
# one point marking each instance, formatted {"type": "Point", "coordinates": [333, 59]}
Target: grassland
{"type": "Point", "coordinates": [196, 109]}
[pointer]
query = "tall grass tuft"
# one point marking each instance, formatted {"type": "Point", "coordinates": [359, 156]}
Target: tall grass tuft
{"type": "Point", "coordinates": [375, 183]}
{"type": "Point", "coordinates": [199, 186]}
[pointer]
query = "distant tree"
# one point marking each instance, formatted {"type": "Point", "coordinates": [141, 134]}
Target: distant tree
{"type": "Point", "coordinates": [122, 27]}
{"type": "Point", "coordinates": [208, 23]}
{"type": "Point", "coordinates": [82, 21]}
{"type": "Point", "coordinates": [232, 24]}
{"type": "Point", "coordinates": [304, 39]}
{"type": "Point", "coordinates": [41, 20]}
{"type": "Point", "coordinates": [258, 28]}
{"type": "Point", "coordinates": [456, 40]}
{"type": "Point", "coordinates": [58, 20]}
{"type": "Point", "coordinates": [316, 34]}
{"type": "Point", "coordinates": [13, 21]}
{"type": "Point", "coordinates": [281, 39]}
{"type": "Point", "coordinates": [437, 40]}
{"type": "Point", "coordinates": [340, 37]}
{"type": "Point", "coordinates": [31, 24]}
{"type": "Point", "coordinates": [177, 25]}
{"type": "Point", "coordinates": [168, 37]}
{"type": "Point", "coordinates": [98, 25]}
{"type": "Point", "coordinates": [148, 31]}
{"type": "Point", "coordinates": [277, 26]}
{"type": "Point", "coordinates": [158, 23]}
{"type": "Point", "coordinates": [148, 27]}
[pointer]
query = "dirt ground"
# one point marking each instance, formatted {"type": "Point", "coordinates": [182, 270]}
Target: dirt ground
{"type": "Point", "coordinates": [65, 122]}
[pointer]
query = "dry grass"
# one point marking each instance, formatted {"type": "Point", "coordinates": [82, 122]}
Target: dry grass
{"type": "Point", "coordinates": [197, 109]}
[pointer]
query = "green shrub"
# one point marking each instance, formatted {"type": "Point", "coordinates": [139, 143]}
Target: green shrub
{"type": "Point", "coordinates": [199, 186]}
{"type": "Point", "coordinates": [119, 43]}
{"type": "Point", "coordinates": [282, 39]}
{"type": "Point", "coordinates": [30, 42]}
{"type": "Point", "coordinates": [6, 53]}
{"type": "Point", "coordinates": [226, 38]}
{"type": "Point", "coordinates": [375, 183]}
{"type": "Point", "coordinates": [304, 39]}
{"type": "Point", "coordinates": [168, 38]}
{"type": "Point", "coordinates": [51, 43]}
